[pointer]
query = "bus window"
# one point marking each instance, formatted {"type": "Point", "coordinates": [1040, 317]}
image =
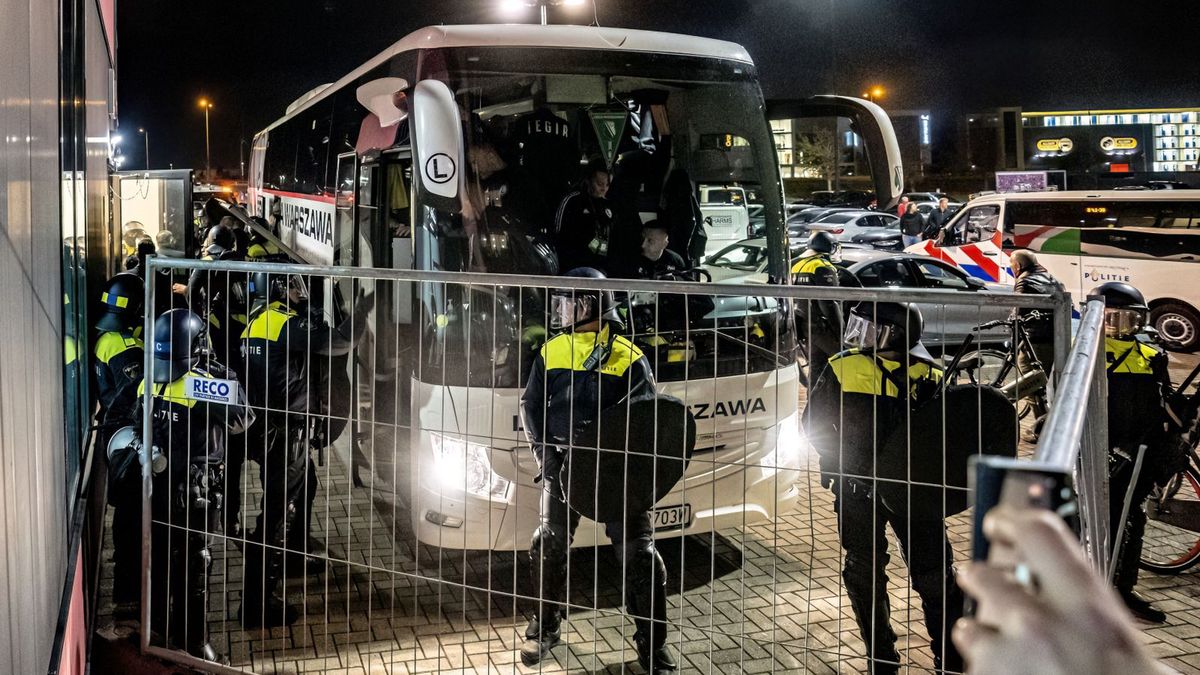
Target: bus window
{"type": "Point", "coordinates": [279, 171]}
{"type": "Point", "coordinates": [1145, 229]}
{"type": "Point", "coordinates": [1179, 216]}
{"type": "Point", "coordinates": [646, 116]}
{"type": "Point", "coordinates": [1138, 214]}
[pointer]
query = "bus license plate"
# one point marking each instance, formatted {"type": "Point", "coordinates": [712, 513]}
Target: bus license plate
{"type": "Point", "coordinates": [672, 517]}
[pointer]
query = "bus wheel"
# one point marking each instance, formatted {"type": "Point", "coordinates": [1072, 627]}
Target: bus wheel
{"type": "Point", "coordinates": [1178, 326]}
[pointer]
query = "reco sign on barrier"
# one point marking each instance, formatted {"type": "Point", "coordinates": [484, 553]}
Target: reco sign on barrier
{"type": "Point", "coordinates": [212, 390]}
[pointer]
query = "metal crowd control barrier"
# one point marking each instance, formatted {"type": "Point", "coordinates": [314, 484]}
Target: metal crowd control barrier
{"type": "Point", "coordinates": [426, 493]}
{"type": "Point", "coordinates": [1073, 442]}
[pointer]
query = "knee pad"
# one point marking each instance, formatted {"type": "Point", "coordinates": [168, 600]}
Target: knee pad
{"type": "Point", "coordinates": [646, 566]}
{"type": "Point", "coordinates": [547, 546]}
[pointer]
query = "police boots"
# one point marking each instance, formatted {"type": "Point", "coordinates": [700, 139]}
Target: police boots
{"type": "Point", "coordinates": [655, 661]}
{"type": "Point", "coordinates": [540, 639]}
{"type": "Point", "coordinates": [1141, 607]}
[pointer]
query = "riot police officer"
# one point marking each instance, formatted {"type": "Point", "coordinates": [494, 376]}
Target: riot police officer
{"type": "Point", "coordinates": [586, 368]}
{"type": "Point", "coordinates": [279, 345]}
{"type": "Point", "coordinates": [1138, 382]}
{"type": "Point", "coordinates": [118, 368]}
{"type": "Point", "coordinates": [820, 320]}
{"type": "Point", "coordinates": [262, 249]}
{"type": "Point", "coordinates": [215, 296]}
{"type": "Point", "coordinates": [864, 394]}
{"type": "Point", "coordinates": [191, 434]}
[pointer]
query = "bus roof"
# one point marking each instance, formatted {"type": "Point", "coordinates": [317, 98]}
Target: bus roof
{"type": "Point", "coordinates": [1091, 195]}
{"type": "Point", "coordinates": [532, 35]}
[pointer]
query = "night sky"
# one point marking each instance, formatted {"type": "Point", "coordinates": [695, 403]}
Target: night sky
{"type": "Point", "coordinates": [253, 57]}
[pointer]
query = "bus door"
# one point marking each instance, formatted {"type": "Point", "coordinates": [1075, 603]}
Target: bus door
{"type": "Point", "coordinates": [871, 124]}
{"type": "Point", "coordinates": [380, 185]}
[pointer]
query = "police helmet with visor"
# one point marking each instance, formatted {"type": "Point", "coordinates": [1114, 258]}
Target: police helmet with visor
{"type": "Point", "coordinates": [1125, 309]}
{"type": "Point", "coordinates": [221, 235]}
{"type": "Point", "coordinates": [884, 326]}
{"type": "Point", "coordinates": [265, 288]}
{"type": "Point", "coordinates": [823, 242]}
{"type": "Point", "coordinates": [121, 302]}
{"type": "Point", "coordinates": [571, 308]}
{"type": "Point", "coordinates": [179, 336]}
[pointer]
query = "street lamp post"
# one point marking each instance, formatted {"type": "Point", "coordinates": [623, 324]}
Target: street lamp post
{"type": "Point", "coordinates": [207, 105]}
{"type": "Point", "coordinates": [146, 137]}
{"type": "Point", "coordinates": [873, 94]}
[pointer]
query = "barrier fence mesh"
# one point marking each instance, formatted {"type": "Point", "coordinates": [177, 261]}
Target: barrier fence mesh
{"type": "Point", "coordinates": [348, 481]}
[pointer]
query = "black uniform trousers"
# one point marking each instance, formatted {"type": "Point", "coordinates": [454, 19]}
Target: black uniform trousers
{"type": "Point", "coordinates": [633, 543]}
{"type": "Point", "coordinates": [125, 495]}
{"type": "Point", "coordinates": [181, 559]}
{"type": "Point", "coordinates": [862, 520]}
{"type": "Point", "coordinates": [1120, 474]}
{"type": "Point", "coordinates": [279, 444]}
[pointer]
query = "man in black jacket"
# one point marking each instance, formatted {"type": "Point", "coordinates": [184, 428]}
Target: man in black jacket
{"type": "Point", "coordinates": [584, 221]}
{"type": "Point", "coordinates": [938, 218]}
{"type": "Point", "coordinates": [1033, 279]}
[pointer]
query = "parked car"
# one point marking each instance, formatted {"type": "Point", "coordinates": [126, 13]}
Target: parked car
{"type": "Point", "coordinates": [744, 262]}
{"type": "Point", "coordinates": [888, 238]}
{"type": "Point", "coordinates": [797, 223]}
{"type": "Point", "coordinates": [945, 325]}
{"type": "Point", "coordinates": [853, 198]}
{"type": "Point", "coordinates": [845, 224]}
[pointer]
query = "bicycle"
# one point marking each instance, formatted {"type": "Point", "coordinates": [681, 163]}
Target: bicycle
{"type": "Point", "coordinates": [1171, 544]}
{"type": "Point", "coordinates": [997, 368]}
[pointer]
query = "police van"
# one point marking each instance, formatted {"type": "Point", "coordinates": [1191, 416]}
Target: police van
{"type": "Point", "coordinates": [1150, 239]}
{"type": "Point", "coordinates": [375, 170]}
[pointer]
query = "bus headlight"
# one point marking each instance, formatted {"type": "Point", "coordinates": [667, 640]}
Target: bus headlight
{"type": "Point", "coordinates": [462, 465]}
{"type": "Point", "coordinates": [790, 444]}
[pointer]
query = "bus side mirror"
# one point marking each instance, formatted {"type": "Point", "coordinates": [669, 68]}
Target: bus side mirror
{"type": "Point", "coordinates": [437, 135]}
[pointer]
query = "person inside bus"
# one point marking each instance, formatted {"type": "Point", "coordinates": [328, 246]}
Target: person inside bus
{"type": "Point", "coordinates": [583, 223]}
{"type": "Point", "coordinates": [657, 261]}
{"type": "Point", "coordinates": [501, 202]}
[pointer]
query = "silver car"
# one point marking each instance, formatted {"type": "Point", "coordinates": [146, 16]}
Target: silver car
{"type": "Point", "coordinates": [945, 325]}
{"type": "Point", "coordinates": [845, 225]}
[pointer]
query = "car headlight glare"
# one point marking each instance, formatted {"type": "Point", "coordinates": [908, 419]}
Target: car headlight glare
{"type": "Point", "coordinates": [463, 465]}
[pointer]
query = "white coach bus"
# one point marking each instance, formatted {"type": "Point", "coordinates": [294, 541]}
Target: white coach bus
{"type": "Point", "coordinates": [1148, 238]}
{"type": "Point", "coordinates": [376, 170]}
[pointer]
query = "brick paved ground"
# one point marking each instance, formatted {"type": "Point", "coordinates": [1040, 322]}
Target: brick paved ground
{"type": "Point", "coordinates": [766, 598]}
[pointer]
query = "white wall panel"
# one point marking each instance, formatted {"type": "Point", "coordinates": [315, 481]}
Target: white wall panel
{"type": "Point", "coordinates": [33, 499]}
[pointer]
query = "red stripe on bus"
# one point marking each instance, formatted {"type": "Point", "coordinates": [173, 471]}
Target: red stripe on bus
{"type": "Point", "coordinates": [1024, 239]}
{"type": "Point", "coordinates": [301, 195]}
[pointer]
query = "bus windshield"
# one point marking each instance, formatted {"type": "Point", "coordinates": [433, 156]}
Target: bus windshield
{"type": "Point", "coordinates": [667, 131]}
